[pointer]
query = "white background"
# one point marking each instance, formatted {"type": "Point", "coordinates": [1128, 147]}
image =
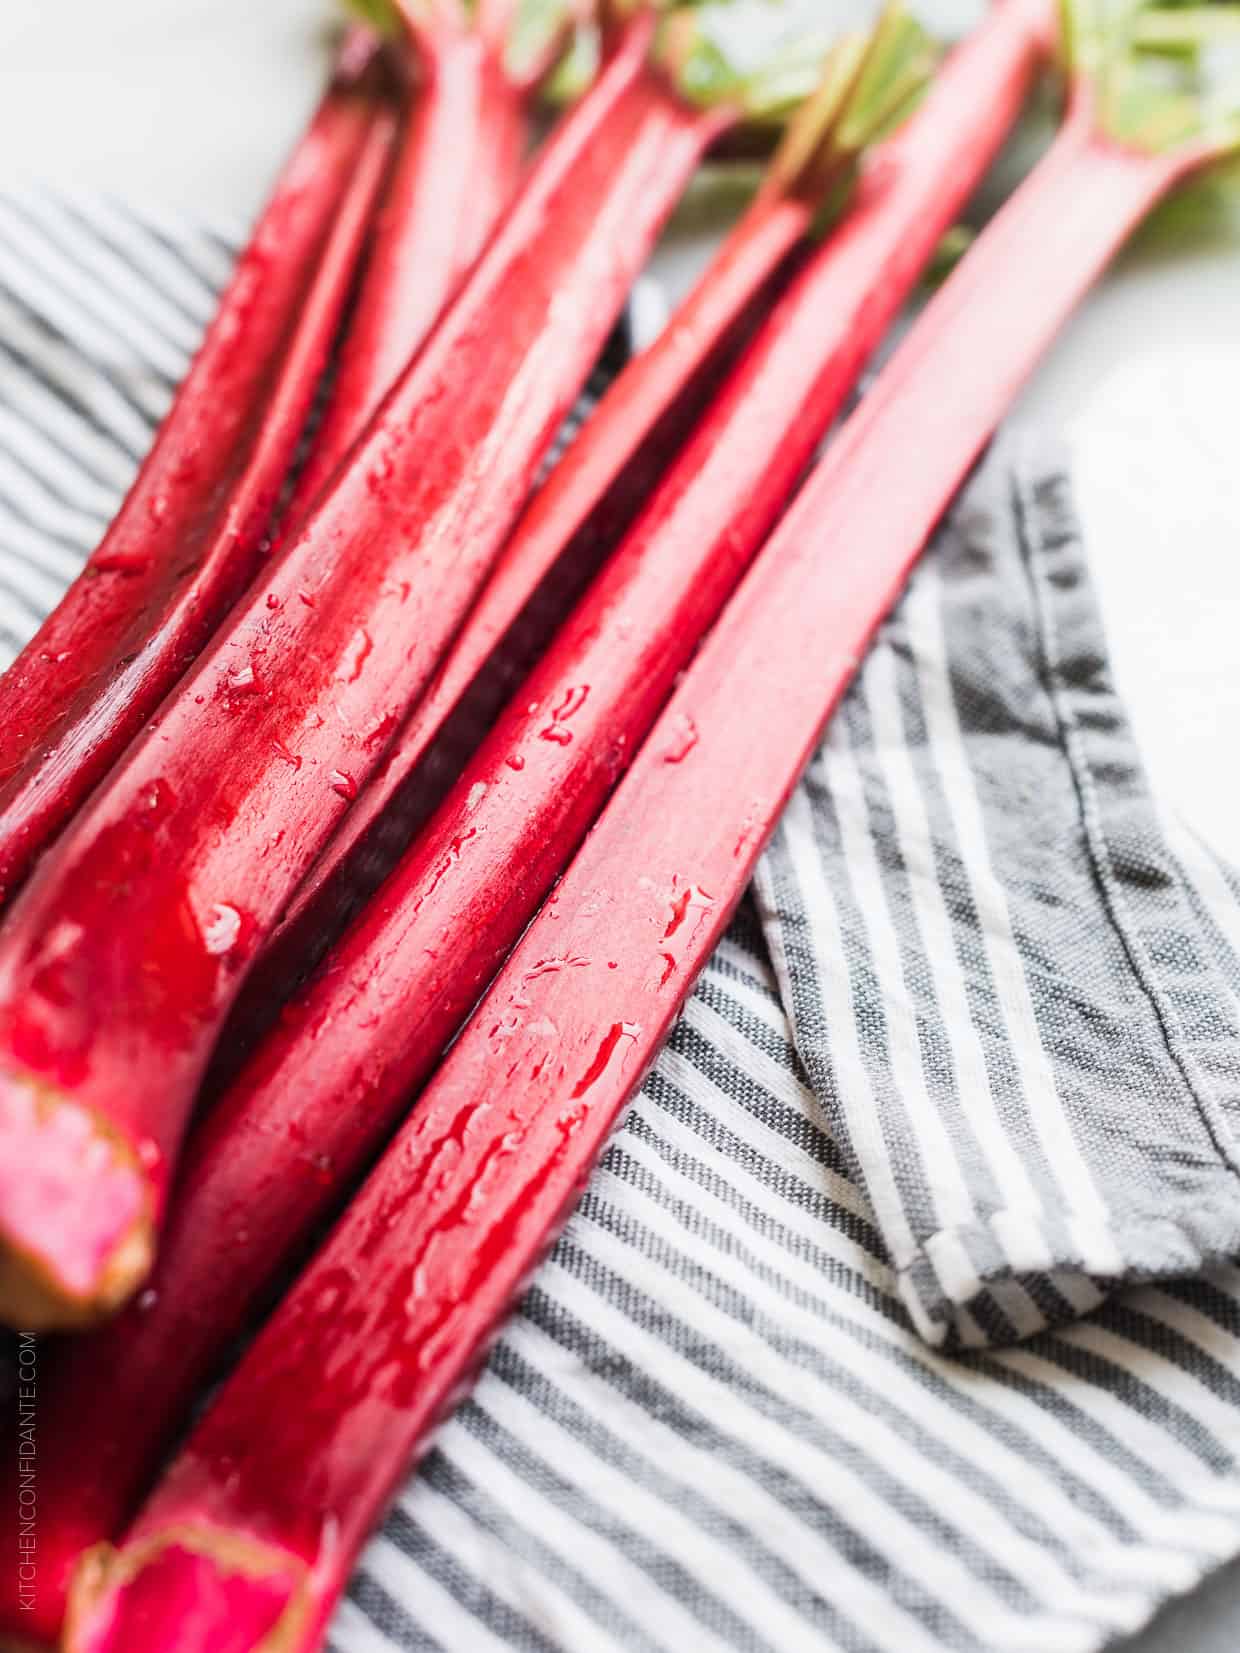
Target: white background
{"type": "Point", "coordinates": [191, 104]}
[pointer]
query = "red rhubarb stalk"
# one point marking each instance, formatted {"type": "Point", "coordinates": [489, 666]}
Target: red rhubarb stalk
{"type": "Point", "coordinates": [660, 390]}
{"type": "Point", "coordinates": [455, 169]}
{"type": "Point", "coordinates": [570, 525]}
{"type": "Point", "coordinates": [124, 953]}
{"type": "Point", "coordinates": [268, 1161]}
{"type": "Point", "coordinates": [258, 1520]}
{"type": "Point", "coordinates": [405, 977]}
{"type": "Point", "coordinates": [190, 532]}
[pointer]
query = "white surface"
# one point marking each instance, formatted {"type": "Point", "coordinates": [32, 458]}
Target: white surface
{"type": "Point", "coordinates": [190, 104]}
{"type": "Point", "coordinates": [187, 103]}
{"type": "Point", "coordinates": [1144, 385]}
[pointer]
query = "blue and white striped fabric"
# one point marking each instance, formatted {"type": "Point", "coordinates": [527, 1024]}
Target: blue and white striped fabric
{"type": "Point", "coordinates": [1040, 1094]}
{"type": "Point", "coordinates": [841, 1349]}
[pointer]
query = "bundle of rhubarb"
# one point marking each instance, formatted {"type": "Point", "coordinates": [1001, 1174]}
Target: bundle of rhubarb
{"type": "Point", "coordinates": [179, 864]}
{"type": "Point", "coordinates": [290, 721]}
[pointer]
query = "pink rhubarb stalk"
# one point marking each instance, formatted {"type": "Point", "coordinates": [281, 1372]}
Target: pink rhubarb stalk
{"type": "Point", "coordinates": [124, 953]}
{"type": "Point", "coordinates": [190, 533]}
{"type": "Point", "coordinates": [260, 1517]}
{"type": "Point", "coordinates": [455, 170]}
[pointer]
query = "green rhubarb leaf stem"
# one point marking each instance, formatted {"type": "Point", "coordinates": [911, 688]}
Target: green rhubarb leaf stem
{"type": "Point", "coordinates": [856, 82]}
{"type": "Point", "coordinates": [868, 84]}
{"type": "Point", "coordinates": [1151, 79]}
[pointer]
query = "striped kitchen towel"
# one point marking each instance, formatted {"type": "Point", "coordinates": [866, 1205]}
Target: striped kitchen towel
{"type": "Point", "coordinates": [1043, 1072]}
{"type": "Point", "coordinates": [897, 1318]}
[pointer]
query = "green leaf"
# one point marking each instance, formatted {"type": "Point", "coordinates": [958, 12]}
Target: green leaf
{"type": "Point", "coordinates": [1203, 215]}
{"type": "Point", "coordinates": [400, 19]}
{"type": "Point", "coordinates": [1187, 29]}
{"type": "Point", "coordinates": [895, 72]}
{"type": "Point", "coordinates": [575, 70]}
{"type": "Point", "coordinates": [694, 50]}
{"type": "Point", "coordinates": [548, 43]}
{"type": "Point", "coordinates": [868, 84]}
{"type": "Point", "coordinates": [384, 16]}
{"type": "Point", "coordinates": [1161, 83]}
{"type": "Point", "coordinates": [540, 33]}
{"type": "Point", "coordinates": [950, 250]}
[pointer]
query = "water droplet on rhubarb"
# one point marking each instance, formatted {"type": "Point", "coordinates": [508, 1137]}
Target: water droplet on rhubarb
{"type": "Point", "coordinates": [380, 474]}
{"type": "Point", "coordinates": [603, 1056]}
{"type": "Point", "coordinates": [683, 737]}
{"type": "Point", "coordinates": [694, 899]}
{"type": "Point", "coordinates": [118, 561]}
{"type": "Point", "coordinates": [221, 930]}
{"type": "Point", "coordinates": [574, 699]}
{"type": "Point", "coordinates": [244, 680]}
{"type": "Point", "coordinates": [344, 784]}
{"type": "Point", "coordinates": [354, 657]}
{"type": "Point", "coordinates": [157, 800]}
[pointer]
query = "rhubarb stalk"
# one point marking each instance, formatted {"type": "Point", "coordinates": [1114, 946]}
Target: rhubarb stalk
{"type": "Point", "coordinates": [455, 167]}
{"type": "Point", "coordinates": [455, 170]}
{"type": "Point", "coordinates": [190, 532]}
{"type": "Point", "coordinates": [259, 1518]}
{"type": "Point", "coordinates": [654, 401]}
{"type": "Point", "coordinates": [124, 953]}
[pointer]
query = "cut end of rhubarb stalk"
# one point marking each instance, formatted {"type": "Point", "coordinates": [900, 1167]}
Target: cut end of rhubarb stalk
{"type": "Point", "coordinates": [196, 1588]}
{"type": "Point", "coordinates": [76, 1235]}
